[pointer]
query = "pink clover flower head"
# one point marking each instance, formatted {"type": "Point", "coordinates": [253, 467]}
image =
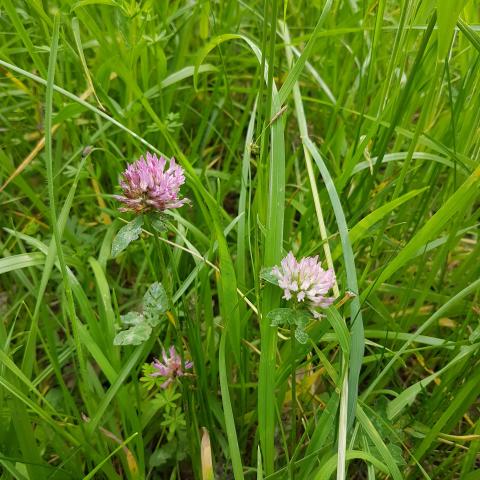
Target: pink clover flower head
{"type": "Point", "coordinates": [171, 367]}
{"type": "Point", "coordinates": [148, 184]}
{"type": "Point", "coordinates": [305, 280]}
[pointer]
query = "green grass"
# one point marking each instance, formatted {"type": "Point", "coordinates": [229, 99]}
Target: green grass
{"type": "Point", "coordinates": [344, 129]}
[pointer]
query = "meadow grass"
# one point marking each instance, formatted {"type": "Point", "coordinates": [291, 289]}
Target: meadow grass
{"type": "Point", "coordinates": [344, 129]}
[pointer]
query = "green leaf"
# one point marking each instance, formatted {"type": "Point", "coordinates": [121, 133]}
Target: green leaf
{"type": "Point", "coordinates": [267, 275]}
{"type": "Point", "coordinates": [475, 335]}
{"type": "Point", "coordinates": [281, 316]}
{"type": "Point", "coordinates": [447, 15]}
{"type": "Point", "coordinates": [377, 440]}
{"type": "Point", "coordinates": [357, 334]}
{"type": "Point", "coordinates": [115, 387]}
{"type": "Point", "coordinates": [288, 316]}
{"type": "Point", "coordinates": [177, 77]}
{"type": "Point", "coordinates": [302, 317]}
{"type": "Point", "coordinates": [408, 395]}
{"type": "Point", "coordinates": [132, 318]}
{"type": "Point", "coordinates": [133, 336]}
{"type": "Point", "coordinates": [67, 112]}
{"type": "Point", "coordinates": [470, 33]}
{"type": "Point", "coordinates": [296, 70]}
{"type": "Point", "coordinates": [155, 303]}
{"type": "Point", "coordinates": [328, 466]}
{"type": "Point", "coordinates": [83, 3]}
{"type": "Point", "coordinates": [363, 226]}
{"type": "Point", "coordinates": [172, 451]}
{"type": "Point", "coordinates": [463, 399]}
{"type": "Point", "coordinates": [158, 222]}
{"type": "Point", "coordinates": [301, 335]}
{"type": "Point", "coordinates": [126, 235]}
{"type": "Point", "coordinates": [232, 437]}
{"type": "Point", "coordinates": [161, 457]}
{"type": "Point", "coordinates": [453, 206]}
{"type": "Point", "coordinates": [22, 260]}
{"type": "Point", "coordinates": [340, 327]}
{"type": "Point", "coordinates": [207, 49]}
{"type": "Point", "coordinates": [323, 428]}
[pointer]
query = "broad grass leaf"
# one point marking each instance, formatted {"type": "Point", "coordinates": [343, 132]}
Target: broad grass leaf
{"type": "Point", "coordinates": [447, 15]}
{"type": "Point", "coordinates": [22, 260]}
{"type": "Point", "coordinates": [340, 327]}
{"type": "Point", "coordinates": [207, 49]}
{"type": "Point", "coordinates": [455, 204]}
{"type": "Point", "coordinates": [379, 443]}
{"type": "Point", "coordinates": [470, 33]}
{"type": "Point", "coordinates": [409, 395]}
{"type": "Point", "coordinates": [126, 235]}
{"type": "Point", "coordinates": [134, 335]}
{"type": "Point", "coordinates": [71, 110]}
{"type": "Point", "coordinates": [328, 467]}
{"type": "Point", "coordinates": [323, 429]}
{"type": "Point", "coordinates": [363, 226]}
{"type": "Point", "coordinates": [84, 3]}
{"type": "Point", "coordinates": [234, 449]}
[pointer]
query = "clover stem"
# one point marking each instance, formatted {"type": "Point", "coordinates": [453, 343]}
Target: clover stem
{"type": "Point", "coordinates": [161, 259]}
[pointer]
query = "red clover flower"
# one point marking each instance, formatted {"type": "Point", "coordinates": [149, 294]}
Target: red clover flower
{"type": "Point", "coordinates": [147, 185]}
{"type": "Point", "coordinates": [171, 367]}
{"type": "Point", "coordinates": [305, 280]}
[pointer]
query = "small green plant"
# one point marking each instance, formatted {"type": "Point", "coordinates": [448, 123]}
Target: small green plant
{"type": "Point", "coordinates": [167, 407]}
{"type": "Point", "coordinates": [138, 326]}
{"type": "Point", "coordinates": [305, 285]}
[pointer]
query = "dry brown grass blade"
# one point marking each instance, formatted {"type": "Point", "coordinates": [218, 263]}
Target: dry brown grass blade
{"type": "Point", "coordinates": [206, 456]}
{"type": "Point", "coordinates": [38, 148]}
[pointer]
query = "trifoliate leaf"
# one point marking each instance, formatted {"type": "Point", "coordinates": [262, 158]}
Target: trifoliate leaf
{"type": "Point", "coordinates": [158, 223]}
{"type": "Point", "coordinates": [160, 457]}
{"type": "Point", "coordinates": [175, 450]}
{"type": "Point", "coordinates": [281, 316]}
{"type": "Point", "coordinates": [126, 235]}
{"type": "Point", "coordinates": [302, 317]}
{"type": "Point", "coordinates": [132, 318]}
{"type": "Point", "coordinates": [267, 275]}
{"type": "Point", "coordinates": [134, 335]}
{"type": "Point", "coordinates": [155, 303]}
{"type": "Point", "coordinates": [301, 335]}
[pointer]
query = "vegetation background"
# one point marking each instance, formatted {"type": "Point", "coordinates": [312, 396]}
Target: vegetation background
{"type": "Point", "coordinates": [348, 129]}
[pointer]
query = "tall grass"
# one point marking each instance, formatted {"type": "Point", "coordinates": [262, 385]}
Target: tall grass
{"type": "Point", "coordinates": [343, 129]}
